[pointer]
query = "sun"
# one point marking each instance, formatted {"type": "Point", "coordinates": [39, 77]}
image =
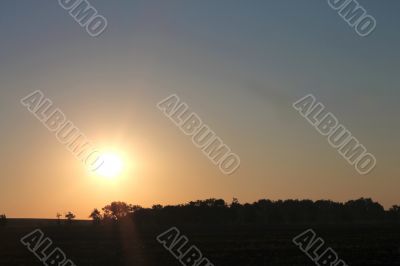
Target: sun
{"type": "Point", "coordinates": [111, 167]}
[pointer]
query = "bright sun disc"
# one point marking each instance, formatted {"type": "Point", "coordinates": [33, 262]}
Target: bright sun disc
{"type": "Point", "coordinates": [111, 167]}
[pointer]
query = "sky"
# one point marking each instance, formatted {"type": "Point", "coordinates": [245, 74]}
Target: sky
{"type": "Point", "coordinates": [238, 65]}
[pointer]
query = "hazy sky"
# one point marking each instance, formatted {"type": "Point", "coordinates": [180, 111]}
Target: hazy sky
{"type": "Point", "coordinates": [238, 64]}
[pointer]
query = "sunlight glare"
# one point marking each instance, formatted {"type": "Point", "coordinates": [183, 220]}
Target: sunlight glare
{"type": "Point", "coordinates": [112, 166]}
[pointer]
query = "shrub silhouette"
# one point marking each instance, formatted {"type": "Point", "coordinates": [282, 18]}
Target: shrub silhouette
{"type": "Point", "coordinates": [69, 216]}
{"type": "Point", "coordinates": [58, 215]}
{"type": "Point", "coordinates": [3, 219]}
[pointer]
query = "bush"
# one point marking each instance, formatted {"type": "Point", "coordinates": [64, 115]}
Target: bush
{"type": "Point", "coordinates": [3, 219]}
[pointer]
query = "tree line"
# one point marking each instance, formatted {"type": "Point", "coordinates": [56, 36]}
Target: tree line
{"type": "Point", "coordinates": [264, 211]}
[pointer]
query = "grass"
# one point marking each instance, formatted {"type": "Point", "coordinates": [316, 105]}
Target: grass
{"type": "Point", "coordinates": [125, 244]}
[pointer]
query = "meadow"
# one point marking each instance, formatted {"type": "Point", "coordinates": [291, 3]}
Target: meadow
{"type": "Point", "coordinates": [124, 243]}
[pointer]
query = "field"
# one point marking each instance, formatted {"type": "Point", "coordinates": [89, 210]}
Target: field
{"type": "Point", "coordinates": [124, 244]}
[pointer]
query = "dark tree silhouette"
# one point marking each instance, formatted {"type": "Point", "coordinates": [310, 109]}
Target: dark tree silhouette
{"type": "Point", "coordinates": [118, 210]}
{"type": "Point", "coordinates": [3, 219]}
{"type": "Point", "coordinates": [394, 213]}
{"type": "Point", "coordinates": [262, 212]}
{"type": "Point", "coordinates": [58, 215]}
{"type": "Point", "coordinates": [69, 216]}
{"type": "Point", "coordinates": [216, 211]}
{"type": "Point", "coordinates": [96, 216]}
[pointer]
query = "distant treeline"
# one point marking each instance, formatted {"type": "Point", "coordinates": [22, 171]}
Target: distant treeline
{"type": "Point", "coordinates": [217, 211]}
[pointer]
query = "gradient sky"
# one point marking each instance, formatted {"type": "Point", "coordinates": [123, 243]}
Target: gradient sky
{"type": "Point", "coordinates": [238, 64]}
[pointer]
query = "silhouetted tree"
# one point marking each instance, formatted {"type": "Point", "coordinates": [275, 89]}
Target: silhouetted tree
{"type": "Point", "coordinates": [3, 219]}
{"type": "Point", "coordinates": [69, 216]}
{"type": "Point", "coordinates": [235, 203]}
{"type": "Point", "coordinates": [157, 207]}
{"type": "Point", "coordinates": [118, 210]}
{"type": "Point", "coordinates": [96, 216]}
{"type": "Point", "coordinates": [394, 213]}
{"type": "Point", "coordinates": [58, 215]}
{"type": "Point", "coordinates": [364, 210]}
{"type": "Point", "coordinates": [133, 208]}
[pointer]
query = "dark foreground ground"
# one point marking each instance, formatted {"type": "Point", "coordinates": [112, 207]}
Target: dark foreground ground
{"type": "Point", "coordinates": [125, 244]}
